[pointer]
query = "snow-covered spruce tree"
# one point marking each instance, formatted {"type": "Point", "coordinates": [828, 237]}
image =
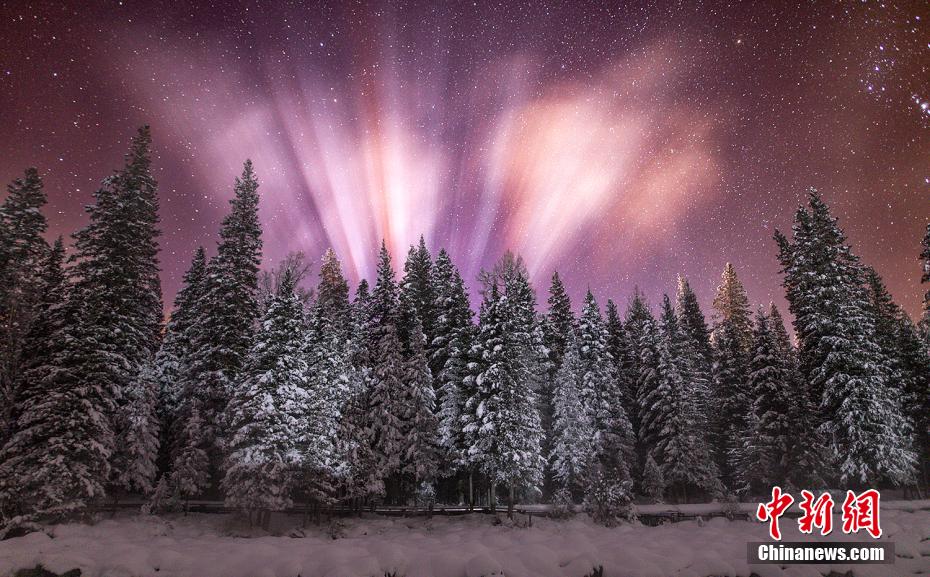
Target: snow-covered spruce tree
{"type": "Point", "coordinates": [22, 250]}
{"type": "Point", "coordinates": [225, 318]}
{"type": "Point", "coordinates": [806, 447]}
{"type": "Point", "coordinates": [909, 363]}
{"type": "Point", "coordinates": [642, 337]}
{"type": "Point", "coordinates": [557, 327]}
{"type": "Point", "coordinates": [172, 361]}
{"type": "Point", "coordinates": [730, 399]}
{"type": "Point", "coordinates": [500, 418]}
{"type": "Point", "coordinates": [419, 292]}
{"type": "Point", "coordinates": [420, 451]}
{"type": "Point", "coordinates": [621, 351]}
{"type": "Point", "coordinates": [135, 464]}
{"type": "Point", "coordinates": [839, 352]}
{"type": "Point", "coordinates": [762, 457]}
{"type": "Point", "coordinates": [386, 410]}
{"type": "Point", "coordinates": [454, 335]}
{"type": "Point", "coordinates": [573, 446]}
{"type": "Point", "coordinates": [57, 462]}
{"type": "Point", "coordinates": [731, 305]}
{"type": "Point", "coordinates": [190, 467]}
{"type": "Point", "coordinates": [330, 383]}
{"type": "Point", "coordinates": [670, 417]}
{"type": "Point", "coordinates": [118, 293]}
{"type": "Point", "coordinates": [653, 480]}
{"type": "Point", "coordinates": [601, 394]}
{"type": "Point", "coordinates": [332, 302]}
{"type": "Point", "coordinates": [268, 412]}
{"type": "Point", "coordinates": [359, 477]}
{"type": "Point", "coordinates": [700, 355]}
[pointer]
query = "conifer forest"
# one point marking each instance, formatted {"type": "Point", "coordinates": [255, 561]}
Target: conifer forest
{"type": "Point", "coordinates": [485, 288]}
{"type": "Point", "coordinates": [268, 385]}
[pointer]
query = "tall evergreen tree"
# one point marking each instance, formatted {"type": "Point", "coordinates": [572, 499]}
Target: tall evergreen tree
{"type": "Point", "coordinates": [332, 302]}
{"type": "Point", "coordinates": [267, 413]}
{"type": "Point", "coordinates": [674, 436]}
{"type": "Point", "coordinates": [840, 353]}
{"type": "Point", "coordinates": [118, 292]}
{"type": "Point", "coordinates": [807, 452]}
{"type": "Point", "coordinates": [501, 420]}
{"type": "Point", "coordinates": [22, 250]}
{"type": "Point", "coordinates": [225, 317]}
{"type": "Point", "coordinates": [420, 456]}
{"type": "Point", "coordinates": [762, 456]}
{"type": "Point", "coordinates": [56, 463]}
{"type": "Point", "coordinates": [731, 306]}
{"type": "Point", "coordinates": [730, 399]}
{"type": "Point", "coordinates": [386, 380]}
{"type": "Point", "coordinates": [573, 431]}
{"type": "Point", "coordinates": [419, 293]}
{"type": "Point", "coordinates": [173, 359]}
{"type": "Point", "coordinates": [697, 348]}
{"type": "Point", "coordinates": [360, 477]}
{"type": "Point", "coordinates": [621, 351]}
{"type": "Point", "coordinates": [601, 394]}
{"type": "Point", "coordinates": [557, 334]}
{"type": "Point", "coordinates": [643, 338]}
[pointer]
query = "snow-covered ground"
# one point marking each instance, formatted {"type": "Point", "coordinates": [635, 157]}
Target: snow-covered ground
{"type": "Point", "coordinates": [210, 545]}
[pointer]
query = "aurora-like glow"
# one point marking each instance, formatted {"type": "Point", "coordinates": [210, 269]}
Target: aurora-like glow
{"type": "Point", "coordinates": [620, 145]}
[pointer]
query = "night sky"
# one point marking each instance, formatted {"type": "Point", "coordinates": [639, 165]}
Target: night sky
{"type": "Point", "coordinates": [620, 143]}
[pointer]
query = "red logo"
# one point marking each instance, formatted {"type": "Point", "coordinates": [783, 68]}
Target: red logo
{"type": "Point", "coordinates": [859, 512]}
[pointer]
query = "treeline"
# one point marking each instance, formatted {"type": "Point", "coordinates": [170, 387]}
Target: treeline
{"type": "Point", "coordinates": [265, 394]}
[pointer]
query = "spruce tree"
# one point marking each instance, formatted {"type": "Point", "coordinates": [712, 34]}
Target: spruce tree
{"type": "Point", "coordinates": [806, 446]}
{"type": "Point", "coordinates": [642, 336]}
{"type": "Point", "coordinates": [22, 251]}
{"type": "Point", "coordinates": [762, 457]}
{"type": "Point", "coordinates": [360, 477]}
{"type": "Point", "coordinates": [118, 293]}
{"type": "Point", "coordinates": [557, 333]}
{"type": "Point", "coordinates": [330, 384]}
{"type": "Point", "coordinates": [173, 359]}
{"type": "Point", "coordinates": [136, 467]}
{"type": "Point", "coordinates": [730, 399]}
{"type": "Point", "coordinates": [454, 336]}
{"type": "Point", "coordinates": [573, 447]}
{"type": "Point", "coordinates": [500, 419]}
{"type": "Point", "coordinates": [840, 354]}
{"type": "Point", "coordinates": [621, 351]}
{"type": "Point", "coordinates": [601, 394]}
{"type": "Point", "coordinates": [731, 306]}
{"type": "Point", "coordinates": [268, 413]}
{"type": "Point", "coordinates": [57, 462]}
{"type": "Point", "coordinates": [674, 437]}
{"type": "Point", "coordinates": [332, 302]}
{"type": "Point", "coordinates": [386, 379]}
{"type": "Point", "coordinates": [225, 317]}
{"type": "Point", "coordinates": [698, 349]}
{"type": "Point", "coordinates": [420, 450]}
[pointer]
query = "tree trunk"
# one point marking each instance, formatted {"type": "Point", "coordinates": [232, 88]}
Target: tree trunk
{"type": "Point", "coordinates": [471, 491]}
{"type": "Point", "coordinates": [510, 502]}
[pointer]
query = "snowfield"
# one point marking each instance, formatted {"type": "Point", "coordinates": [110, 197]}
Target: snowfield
{"type": "Point", "coordinates": [211, 545]}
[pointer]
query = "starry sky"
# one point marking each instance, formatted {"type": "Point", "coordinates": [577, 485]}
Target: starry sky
{"type": "Point", "coordinates": [618, 142]}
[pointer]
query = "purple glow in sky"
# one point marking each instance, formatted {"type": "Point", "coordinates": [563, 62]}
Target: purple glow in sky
{"type": "Point", "coordinates": [621, 144]}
